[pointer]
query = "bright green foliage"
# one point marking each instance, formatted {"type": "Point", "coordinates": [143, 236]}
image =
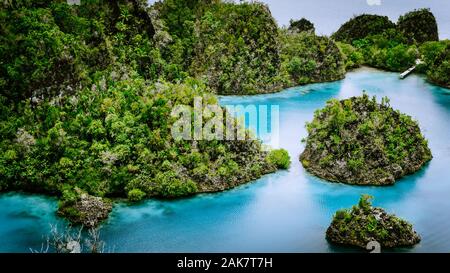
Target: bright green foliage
{"type": "Point", "coordinates": [360, 141]}
{"type": "Point", "coordinates": [395, 48]}
{"type": "Point", "coordinates": [419, 26]}
{"type": "Point", "coordinates": [362, 26]}
{"type": "Point", "coordinates": [308, 58]}
{"type": "Point", "coordinates": [388, 50]}
{"type": "Point", "coordinates": [365, 202]}
{"type": "Point", "coordinates": [352, 57]}
{"type": "Point", "coordinates": [280, 158]}
{"type": "Point", "coordinates": [114, 138]}
{"type": "Point", "coordinates": [136, 195]}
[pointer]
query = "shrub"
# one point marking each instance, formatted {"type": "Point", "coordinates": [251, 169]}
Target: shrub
{"type": "Point", "coordinates": [365, 202]}
{"type": "Point", "coordinates": [279, 158]}
{"type": "Point", "coordinates": [136, 195]}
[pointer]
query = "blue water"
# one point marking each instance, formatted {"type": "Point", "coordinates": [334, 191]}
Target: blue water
{"type": "Point", "coordinates": [288, 211]}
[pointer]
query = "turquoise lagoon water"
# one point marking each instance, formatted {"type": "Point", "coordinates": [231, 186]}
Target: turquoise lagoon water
{"type": "Point", "coordinates": [288, 211]}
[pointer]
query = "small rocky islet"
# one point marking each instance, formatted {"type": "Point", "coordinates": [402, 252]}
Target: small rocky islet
{"type": "Point", "coordinates": [363, 142]}
{"type": "Point", "coordinates": [364, 223]}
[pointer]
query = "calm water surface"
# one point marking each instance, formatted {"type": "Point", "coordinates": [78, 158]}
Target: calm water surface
{"type": "Point", "coordinates": [288, 211]}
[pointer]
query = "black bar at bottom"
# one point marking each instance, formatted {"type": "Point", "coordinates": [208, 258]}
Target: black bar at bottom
{"type": "Point", "coordinates": [181, 262]}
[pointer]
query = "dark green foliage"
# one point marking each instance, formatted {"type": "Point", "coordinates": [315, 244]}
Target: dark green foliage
{"type": "Point", "coordinates": [237, 49]}
{"type": "Point", "coordinates": [280, 158]}
{"type": "Point", "coordinates": [52, 48]}
{"type": "Point", "coordinates": [396, 49]}
{"type": "Point", "coordinates": [419, 26]}
{"type": "Point", "coordinates": [436, 57]}
{"type": "Point", "coordinates": [180, 17]}
{"type": "Point", "coordinates": [388, 50]}
{"type": "Point", "coordinates": [308, 58]}
{"type": "Point", "coordinates": [301, 25]}
{"type": "Point", "coordinates": [363, 223]}
{"type": "Point", "coordinates": [360, 141]}
{"type": "Point", "coordinates": [362, 26]}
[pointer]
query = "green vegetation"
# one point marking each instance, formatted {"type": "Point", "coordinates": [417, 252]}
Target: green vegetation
{"type": "Point", "coordinates": [87, 93]}
{"type": "Point", "coordinates": [388, 50]}
{"type": "Point", "coordinates": [279, 158]}
{"type": "Point", "coordinates": [363, 223]}
{"type": "Point", "coordinates": [353, 58]}
{"type": "Point", "coordinates": [136, 195]}
{"type": "Point", "coordinates": [362, 26]}
{"type": "Point", "coordinates": [238, 50]}
{"type": "Point", "coordinates": [359, 141]}
{"type": "Point", "coordinates": [419, 26]}
{"type": "Point", "coordinates": [301, 26]}
{"type": "Point", "coordinates": [308, 58]}
{"type": "Point", "coordinates": [436, 57]}
{"type": "Point", "coordinates": [375, 41]}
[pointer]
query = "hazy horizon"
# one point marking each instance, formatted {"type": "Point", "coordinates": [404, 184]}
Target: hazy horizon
{"type": "Point", "coordinates": [328, 15]}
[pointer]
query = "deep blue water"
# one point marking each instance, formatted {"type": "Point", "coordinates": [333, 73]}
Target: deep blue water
{"type": "Point", "coordinates": [288, 211]}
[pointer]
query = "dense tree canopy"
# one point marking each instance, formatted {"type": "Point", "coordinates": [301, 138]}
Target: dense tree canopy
{"type": "Point", "coordinates": [301, 25]}
{"type": "Point", "coordinates": [419, 26]}
{"type": "Point", "coordinates": [362, 26]}
{"type": "Point", "coordinates": [308, 58]}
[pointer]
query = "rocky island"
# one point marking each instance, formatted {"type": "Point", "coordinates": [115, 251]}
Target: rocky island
{"type": "Point", "coordinates": [360, 141]}
{"type": "Point", "coordinates": [364, 223]}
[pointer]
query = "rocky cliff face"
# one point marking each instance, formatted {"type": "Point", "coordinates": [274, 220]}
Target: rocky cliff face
{"type": "Point", "coordinates": [364, 223]}
{"type": "Point", "coordinates": [359, 141]}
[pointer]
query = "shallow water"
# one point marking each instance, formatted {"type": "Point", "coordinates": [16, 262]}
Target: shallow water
{"type": "Point", "coordinates": [288, 211]}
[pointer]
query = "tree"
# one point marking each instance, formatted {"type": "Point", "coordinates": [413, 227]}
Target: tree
{"type": "Point", "coordinates": [301, 25]}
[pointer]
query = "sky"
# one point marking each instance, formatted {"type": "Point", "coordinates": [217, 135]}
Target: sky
{"type": "Point", "coordinates": [329, 15]}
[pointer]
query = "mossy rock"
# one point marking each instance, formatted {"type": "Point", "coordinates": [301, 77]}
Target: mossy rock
{"type": "Point", "coordinates": [360, 141]}
{"type": "Point", "coordinates": [363, 224]}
